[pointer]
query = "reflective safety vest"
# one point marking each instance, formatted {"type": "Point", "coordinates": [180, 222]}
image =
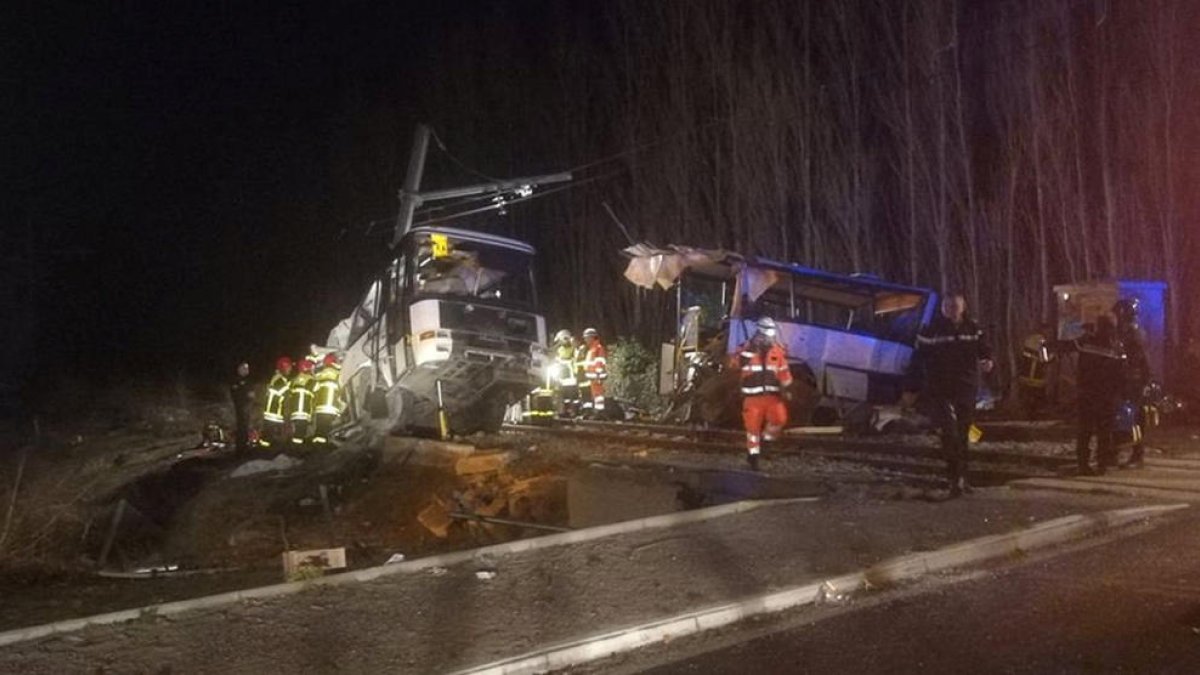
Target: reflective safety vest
{"type": "Point", "coordinates": [300, 398]}
{"type": "Point", "coordinates": [564, 364]}
{"type": "Point", "coordinates": [763, 371]}
{"type": "Point", "coordinates": [328, 392]}
{"type": "Point", "coordinates": [276, 393]}
{"type": "Point", "coordinates": [595, 364]}
{"type": "Point", "coordinates": [580, 358]}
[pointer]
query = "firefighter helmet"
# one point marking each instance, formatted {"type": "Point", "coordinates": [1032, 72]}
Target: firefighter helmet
{"type": "Point", "coordinates": [766, 326]}
{"type": "Point", "coordinates": [283, 364]}
{"type": "Point", "coordinates": [590, 333]}
{"type": "Point", "coordinates": [306, 366]}
{"type": "Point", "coordinates": [331, 360]}
{"type": "Point", "coordinates": [563, 335]}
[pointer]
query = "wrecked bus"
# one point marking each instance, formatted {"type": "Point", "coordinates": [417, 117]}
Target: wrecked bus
{"type": "Point", "coordinates": [450, 325]}
{"type": "Point", "coordinates": [850, 337]}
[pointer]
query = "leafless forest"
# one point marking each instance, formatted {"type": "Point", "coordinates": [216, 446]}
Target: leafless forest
{"type": "Point", "coordinates": [994, 147]}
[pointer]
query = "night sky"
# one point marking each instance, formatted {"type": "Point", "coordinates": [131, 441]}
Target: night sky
{"type": "Point", "coordinates": [173, 175]}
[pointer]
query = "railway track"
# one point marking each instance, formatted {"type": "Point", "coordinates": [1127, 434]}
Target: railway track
{"type": "Point", "coordinates": [908, 460]}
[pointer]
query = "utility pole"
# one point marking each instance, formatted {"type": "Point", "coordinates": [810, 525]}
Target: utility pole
{"type": "Point", "coordinates": [411, 197]}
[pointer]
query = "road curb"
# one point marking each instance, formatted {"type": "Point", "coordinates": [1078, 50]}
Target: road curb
{"type": "Point", "coordinates": [590, 648]}
{"type": "Point", "coordinates": [1172, 463]}
{"type": "Point", "coordinates": [443, 560]}
{"type": "Point", "coordinates": [1104, 487]}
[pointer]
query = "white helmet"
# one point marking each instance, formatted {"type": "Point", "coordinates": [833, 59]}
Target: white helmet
{"type": "Point", "coordinates": [766, 326]}
{"type": "Point", "coordinates": [563, 335]}
{"type": "Point", "coordinates": [590, 332]}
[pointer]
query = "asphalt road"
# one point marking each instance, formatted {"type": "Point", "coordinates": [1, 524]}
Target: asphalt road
{"type": "Point", "coordinates": [1126, 604]}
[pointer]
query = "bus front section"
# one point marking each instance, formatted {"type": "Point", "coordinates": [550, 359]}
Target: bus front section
{"type": "Point", "coordinates": [476, 339]}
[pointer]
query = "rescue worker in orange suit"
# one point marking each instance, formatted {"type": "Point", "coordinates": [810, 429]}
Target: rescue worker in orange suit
{"type": "Point", "coordinates": [595, 369]}
{"type": "Point", "coordinates": [299, 403]}
{"type": "Point", "coordinates": [1137, 372]}
{"type": "Point", "coordinates": [765, 382]}
{"type": "Point", "coordinates": [1101, 372]}
{"type": "Point", "coordinates": [951, 353]}
{"type": "Point", "coordinates": [328, 402]}
{"type": "Point", "coordinates": [274, 424]}
{"type": "Point", "coordinates": [242, 394]}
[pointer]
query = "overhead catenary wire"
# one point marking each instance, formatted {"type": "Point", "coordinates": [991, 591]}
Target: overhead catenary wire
{"type": "Point", "coordinates": [518, 200]}
{"type": "Point", "coordinates": [461, 164]}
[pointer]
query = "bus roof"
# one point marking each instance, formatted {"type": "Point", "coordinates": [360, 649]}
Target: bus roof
{"type": "Point", "coordinates": [471, 235]}
{"type": "Point", "coordinates": [651, 266]}
{"type": "Point", "coordinates": [833, 278]}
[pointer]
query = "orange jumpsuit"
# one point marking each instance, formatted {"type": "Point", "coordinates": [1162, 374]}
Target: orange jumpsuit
{"type": "Point", "coordinates": [765, 373]}
{"type": "Point", "coordinates": [595, 369]}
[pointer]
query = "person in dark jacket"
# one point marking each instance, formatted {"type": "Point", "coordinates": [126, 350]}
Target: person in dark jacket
{"type": "Point", "coordinates": [1136, 372]}
{"type": "Point", "coordinates": [951, 353]}
{"type": "Point", "coordinates": [1100, 385]}
{"type": "Point", "coordinates": [242, 394]}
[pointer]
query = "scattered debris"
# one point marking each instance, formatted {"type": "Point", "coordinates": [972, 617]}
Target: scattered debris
{"type": "Point", "coordinates": [436, 518]}
{"type": "Point", "coordinates": [828, 594]}
{"type": "Point", "coordinates": [438, 571]}
{"type": "Point", "coordinates": [485, 574]}
{"type": "Point", "coordinates": [163, 571]}
{"type": "Point", "coordinates": [281, 462]}
{"type": "Point", "coordinates": [298, 565]}
{"type": "Point", "coordinates": [481, 463]}
{"type": "Point", "coordinates": [507, 521]}
{"type": "Point", "coordinates": [395, 558]}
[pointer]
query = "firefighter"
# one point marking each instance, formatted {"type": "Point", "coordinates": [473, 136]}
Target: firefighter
{"type": "Point", "coordinates": [1137, 373]}
{"type": "Point", "coordinates": [242, 394]}
{"type": "Point", "coordinates": [328, 402]}
{"type": "Point", "coordinates": [584, 394]}
{"type": "Point", "coordinates": [765, 383]}
{"type": "Point", "coordinates": [1101, 372]}
{"type": "Point", "coordinates": [274, 424]}
{"type": "Point", "coordinates": [1036, 358]}
{"type": "Point", "coordinates": [299, 403]}
{"type": "Point", "coordinates": [595, 368]}
{"type": "Point", "coordinates": [314, 359]}
{"type": "Point", "coordinates": [564, 378]}
{"type": "Point", "coordinates": [951, 353]}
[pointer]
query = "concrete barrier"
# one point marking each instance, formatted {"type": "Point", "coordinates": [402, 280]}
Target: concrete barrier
{"type": "Point", "coordinates": [604, 645]}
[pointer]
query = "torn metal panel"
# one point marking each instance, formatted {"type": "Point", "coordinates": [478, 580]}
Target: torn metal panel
{"type": "Point", "coordinates": [854, 332]}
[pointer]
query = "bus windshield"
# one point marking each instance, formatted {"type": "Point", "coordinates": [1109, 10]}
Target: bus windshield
{"type": "Point", "coordinates": [448, 266]}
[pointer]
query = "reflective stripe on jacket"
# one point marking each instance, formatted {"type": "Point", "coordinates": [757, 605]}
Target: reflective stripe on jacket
{"type": "Point", "coordinates": [564, 365]}
{"type": "Point", "coordinates": [763, 371]}
{"type": "Point", "coordinates": [276, 393]}
{"type": "Point", "coordinates": [327, 391]}
{"type": "Point", "coordinates": [595, 364]}
{"type": "Point", "coordinates": [947, 357]}
{"type": "Point", "coordinates": [299, 404]}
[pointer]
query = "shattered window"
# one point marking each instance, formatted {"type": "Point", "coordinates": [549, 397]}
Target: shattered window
{"type": "Point", "coordinates": [710, 296]}
{"type": "Point", "coordinates": [447, 266]}
{"type": "Point", "coordinates": [365, 313]}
